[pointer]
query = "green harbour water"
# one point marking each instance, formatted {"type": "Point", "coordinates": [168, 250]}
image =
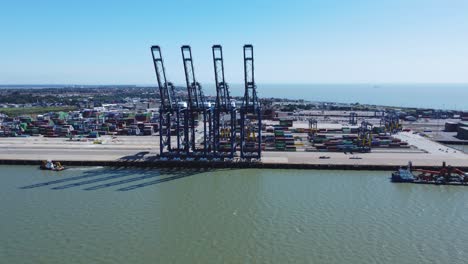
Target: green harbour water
{"type": "Point", "coordinates": [116, 215]}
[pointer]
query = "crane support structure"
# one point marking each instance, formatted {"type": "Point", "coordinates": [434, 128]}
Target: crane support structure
{"type": "Point", "coordinates": [365, 137]}
{"type": "Point", "coordinates": [196, 106]}
{"type": "Point", "coordinates": [224, 121]}
{"type": "Point", "coordinates": [250, 112]}
{"type": "Point", "coordinates": [391, 121]}
{"type": "Point", "coordinates": [353, 118]}
{"type": "Point", "coordinates": [169, 111]}
{"type": "Point", "coordinates": [198, 129]}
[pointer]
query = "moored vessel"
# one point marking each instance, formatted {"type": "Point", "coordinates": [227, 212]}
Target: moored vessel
{"type": "Point", "coordinates": [50, 165]}
{"type": "Point", "coordinates": [448, 175]}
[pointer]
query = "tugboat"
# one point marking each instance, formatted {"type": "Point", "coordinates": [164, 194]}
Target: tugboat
{"type": "Point", "coordinates": [50, 165]}
{"type": "Point", "coordinates": [445, 176]}
{"type": "Point", "coordinates": [404, 174]}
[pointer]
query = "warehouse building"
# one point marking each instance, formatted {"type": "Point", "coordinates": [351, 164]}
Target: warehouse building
{"type": "Point", "coordinates": [462, 132]}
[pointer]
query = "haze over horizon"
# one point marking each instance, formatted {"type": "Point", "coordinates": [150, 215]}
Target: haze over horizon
{"type": "Point", "coordinates": [56, 42]}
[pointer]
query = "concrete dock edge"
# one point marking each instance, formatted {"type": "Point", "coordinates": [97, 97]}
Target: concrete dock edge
{"type": "Point", "coordinates": [216, 165]}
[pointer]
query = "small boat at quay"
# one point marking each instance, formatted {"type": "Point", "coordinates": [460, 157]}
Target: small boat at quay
{"type": "Point", "coordinates": [50, 165]}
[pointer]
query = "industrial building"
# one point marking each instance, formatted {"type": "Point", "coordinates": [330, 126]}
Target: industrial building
{"type": "Point", "coordinates": [464, 116]}
{"type": "Point", "coordinates": [462, 132]}
{"type": "Point", "coordinates": [461, 128]}
{"type": "Point", "coordinates": [451, 127]}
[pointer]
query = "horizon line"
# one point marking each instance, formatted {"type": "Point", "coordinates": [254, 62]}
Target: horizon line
{"type": "Point", "coordinates": [235, 83]}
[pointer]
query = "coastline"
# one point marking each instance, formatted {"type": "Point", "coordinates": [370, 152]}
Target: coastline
{"type": "Point", "coordinates": [219, 165]}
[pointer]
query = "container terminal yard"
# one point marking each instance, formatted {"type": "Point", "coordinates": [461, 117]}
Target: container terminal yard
{"type": "Point", "coordinates": [185, 127]}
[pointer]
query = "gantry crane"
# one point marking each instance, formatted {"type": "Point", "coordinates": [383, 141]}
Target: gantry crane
{"type": "Point", "coordinates": [196, 105]}
{"type": "Point", "coordinates": [365, 137]}
{"type": "Point", "coordinates": [219, 122]}
{"type": "Point", "coordinates": [353, 118]}
{"type": "Point", "coordinates": [169, 111]}
{"type": "Point", "coordinates": [313, 128]}
{"type": "Point", "coordinates": [391, 122]}
{"type": "Point", "coordinates": [250, 112]}
{"type": "Point", "coordinates": [224, 131]}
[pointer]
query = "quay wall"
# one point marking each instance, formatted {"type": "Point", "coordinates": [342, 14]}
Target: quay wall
{"type": "Point", "coordinates": [217, 165]}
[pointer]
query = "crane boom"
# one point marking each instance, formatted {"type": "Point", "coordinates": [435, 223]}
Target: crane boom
{"type": "Point", "coordinates": [164, 93]}
{"type": "Point", "coordinates": [251, 133]}
{"type": "Point", "coordinates": [224, 121]}
{"type": "Point", "coordinates": [166, 110]}
{"type": "Point", "coordinates": [193, 87]}
{"type": "Point", "coordinates": [223, 99]}
{"type": "Point", "coordinates": [250, 95]}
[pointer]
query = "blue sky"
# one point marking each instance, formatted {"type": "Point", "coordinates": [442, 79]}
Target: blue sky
{"type": "Point", "coordinates": [295, 41]}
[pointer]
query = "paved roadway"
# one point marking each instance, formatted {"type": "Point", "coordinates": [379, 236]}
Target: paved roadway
{"type": "Point", "coordinates": [37, 148]}
{"type": "Point", "coordinates": [40, 148]}
{"type": "Point", "coordinates": [434, 154]}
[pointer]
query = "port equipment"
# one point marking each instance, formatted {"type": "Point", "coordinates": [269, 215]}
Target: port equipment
{"type": "Point", "coordinates": [169, 111]}
{"type": "Point", "coordinates": [312, 128]}
{"type": "Point", "coordinates": [447, 174]}
{"type": "Point", "coordinates": [196, 107]}
{"type": "Point", "coordinates": [391, 122]}
{"type": "Point", "coordinates": [224, 120]}
{"type": "Point", "coordinates": [379, 113]}
{"type": "Point", "coordinates": [353, 118]}
{"type": "Point", "coordinates": [250, 112]}
{"type": "Point", "coordinates": [218, 123]}
{"type": "Point", "coordinates": [365, 137]}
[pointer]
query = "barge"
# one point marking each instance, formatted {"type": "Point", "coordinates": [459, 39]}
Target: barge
{"type": "Point", "coordinates": [447, 175]}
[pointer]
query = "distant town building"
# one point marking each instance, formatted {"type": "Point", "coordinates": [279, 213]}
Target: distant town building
{"type": "Point", "coordinates": [464, 116]}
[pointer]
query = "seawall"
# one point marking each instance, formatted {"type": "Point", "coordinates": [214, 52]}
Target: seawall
{"type": "Point", "coordinates": [217, 165]}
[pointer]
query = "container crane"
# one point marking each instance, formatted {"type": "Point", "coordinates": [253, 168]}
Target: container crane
{"type": "Point", "coordinates": [353, 118]}
{"type": "Point", "coordinates": [224, 136]}
{"type": "Point", "coordinates": [169, 111]}
{"type": "Point", "coordinates": [250, 133]}
{"type": "Point", "coordinates": [313, 128]}
{"type": "Point", "coordinates": [196, 106]}
{"type": "Point", "coordinates": [391, 122]}
{"type": "Point", "coordinates": [365, 136]}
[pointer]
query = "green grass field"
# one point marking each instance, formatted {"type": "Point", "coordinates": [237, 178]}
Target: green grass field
{"type": "Point", "coordinates": [35, 110]}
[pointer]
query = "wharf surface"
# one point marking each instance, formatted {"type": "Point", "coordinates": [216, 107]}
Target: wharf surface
{"type": "Point", "coordinates": [141, 152]}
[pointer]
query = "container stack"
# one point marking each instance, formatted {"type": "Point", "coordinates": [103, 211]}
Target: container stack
{"type": "Point", "coordinates": [298, 143]}
{"type": "Point", "coordinates": [50, 131]}
{"type": "Point", "coordinates": [269, 140]}
{"type": "Point", "coordinates": [280, 143]}
{"type": "Point", "coordinates": [350, 142]}
{"type": "Point", "coordinates": [383, 140]}
{"type": "Point", "coordinates": [289, 141]}
{"type": "Point", "coordinates": [224, 145]}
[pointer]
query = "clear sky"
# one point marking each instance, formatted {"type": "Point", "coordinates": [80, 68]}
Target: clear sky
{"type": "Point", "coordinates": [295, 41]}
